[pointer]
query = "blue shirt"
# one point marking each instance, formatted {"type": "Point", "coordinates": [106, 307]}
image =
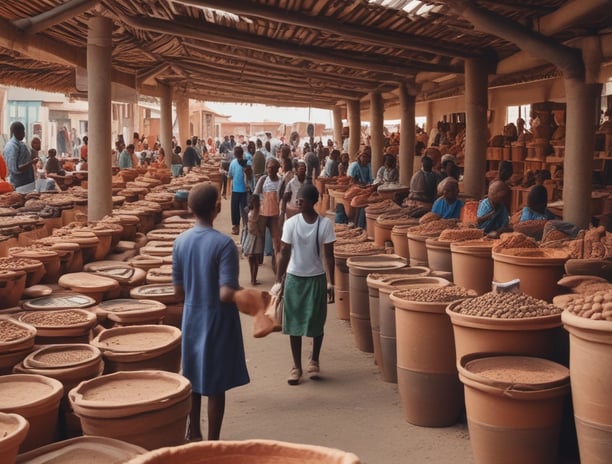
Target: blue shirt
{"type": "Point", "coordinates": [362, 174]}
{"type": "Point", "coordinates": [125, 160]}
{"type": "Point", "coordinates": [530, 215]}
{"type": "Point", "coordinates": [498, 220]}
{"type": "Point", "coordinates": [447, 210]}
{"type": "Point", "coordinates": [16, 154]}
{"type": "Point", "coordinates": [236, 173]}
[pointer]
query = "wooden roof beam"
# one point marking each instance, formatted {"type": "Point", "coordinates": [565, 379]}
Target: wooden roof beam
{"type": "Point", "coordinates": [359, 34]}
{"type": "Point", "coordinates": [54, 16]}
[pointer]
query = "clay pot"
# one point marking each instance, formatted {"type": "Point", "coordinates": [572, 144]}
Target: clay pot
{"type": "Point", "coordinates": [50, 259]}
{"type": "Point", "coordinates": [12, 284]}
{"type": "Point", "coordinates": [386, 222]}
{"type": "Point", "coordinates": [539, 269]}
{"type": "Point", "coordinates": [532, 336]}
{"type": "Point", "coordinates": [157, 248]}
{"type": "Point", "coordinates": [359, 268]}
{"type": "Point", "coordinates": [140, 347]}
{"type": "Point", "coordinates": [146, 262]}
{"type": "Point", "coordinates": [63, 326]}
{"type": "Point", "coordinates": [15, 335]}
{"type": "Point", "coordinates": [591, 380]}
{"type": "Point", "coordinates": [164, 235]}
{"type": "Point", "coordinates": [37, 399]}
{"type": "Point", "coordinates": [124, 273]}
{"type": "Point", "coordinates": [439, 256]}
{"type": "Point", "coordinates": [130, 312]}
{"type": "Point", "coordinates": [33, 268]}
{"type": "Point", "coordinates": [160, 275]}
{"type": "Point", "coordinates": [174, 315]}
{"type": "Point", "coordinates": [429, 388]}
{"type": "Point", "coordinates": [252, 451]}
{"type": "Point", "coordinates": [145, 408]}
{"type": "Point", "coordinates": [59, 301]}
{"type": "Point", "coordinates": [13, 430]}
{"type": "Point", "coordinates": [96, 286]}
{"type": "Point", "coordinates": [400, 241]}
{"type": "Point", "coordinates": [472, 265]}
{"type": "Point", "coordinates": [72, 258]}
{"type": "Point", "coordinates": [417, 249]}
{"type": "Point", "coordinates": [129, 224]}
{"type": "Point", "coordinates": [164, 293]}
{"type": "Point", "coordinates": [514, 407]}
{"type": "Point", "coordinates": [76, 450]}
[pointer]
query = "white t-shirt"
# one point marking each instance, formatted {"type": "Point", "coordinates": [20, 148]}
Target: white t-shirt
{"type": "Point", "coordinates": [294, 187]}
{"type": "Point", "coordinates": [304, 261]}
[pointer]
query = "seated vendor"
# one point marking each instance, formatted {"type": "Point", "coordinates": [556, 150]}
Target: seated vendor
{"type": "Point", "coordinates": [361, 170]}
{"type": "Point", "coordinates": [537, 198]}
{"type": "Point", "coordinates": [493, 216]}
{"type": "Point", "coordinates": [423, 185]}
{"type": "Point", "coordinates": [388, 172]}
{"type": "Point", "coordinates": [448, 206]}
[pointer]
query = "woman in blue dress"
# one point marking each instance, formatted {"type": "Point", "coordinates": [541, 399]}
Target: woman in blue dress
{"type": "Point", "coordinates": [205, 270]}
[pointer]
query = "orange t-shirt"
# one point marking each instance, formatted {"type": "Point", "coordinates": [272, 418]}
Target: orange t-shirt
{"type": "Point", "coordinates": [84, 152]}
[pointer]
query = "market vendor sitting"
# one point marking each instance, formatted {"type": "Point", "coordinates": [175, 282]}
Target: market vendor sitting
{"type": "Point", "coordinates": [537, 199]}
{"type": "Point", "coordinates": [423, 185]}
{"type": "Point", "coordinates": [448, 206]}
{"type": "Point", "coordinates": [388, 172]}
{"type": "Point", "coordinates": [360, 170]}
{"type": "Point", "coordinates": [493, 216]}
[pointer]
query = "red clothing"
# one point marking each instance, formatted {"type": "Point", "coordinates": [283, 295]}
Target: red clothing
{"type": "Point", "coordinates": [84, 152]}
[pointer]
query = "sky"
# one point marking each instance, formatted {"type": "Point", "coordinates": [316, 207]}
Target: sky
{"type": "Point", "coordinates": [242, 112]}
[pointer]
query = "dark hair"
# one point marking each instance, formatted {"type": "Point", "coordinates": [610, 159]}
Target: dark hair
{"type": "Point", "coordinates": [17, 126]}
{"type": "Point", "coordinates": [202, 199]}
{"type": "Point", "coordinates": [188, 142]}
{"type": "Point", "coordinates": [309, 192]}
{"type": "Point", "coordinates": [177, 149]}
{"type": "Point", "coordinates": [505, 170]}
{"type": "Point", "coordinates": [537, 196]}
{"type": "Point", "coordinates": [85, 139]}
{"type": "Point", "coordinates": [427, 163]}
{"type": "Point", "coordinates": [238, 151]}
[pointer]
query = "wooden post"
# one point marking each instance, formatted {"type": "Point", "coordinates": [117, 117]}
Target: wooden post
{"type": "Point", "coordinates": [165, 121]}
{"type": "Point", "coordinates": [377, 142]}
{"type": "Point", "coordinates": [407, 134]}
{"type": "Point", "coordinates": [338, 126]}
{"type": "Point", "coordinates": [182, 115]}
{"type": "Point", "coordinates": [354, 118]}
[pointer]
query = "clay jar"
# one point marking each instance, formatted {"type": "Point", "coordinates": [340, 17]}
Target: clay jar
{"type": "Point", "coordinates": [83, 449]}
{"type": "Point", "coordinates": [539, 269]}
{"type": "Point", "coordinates": [140, 347]}
{"type": "Point", "coordinates": [472, 265]}
{"type": "Point", "coordinates": [157, 248]}
{"type": "Point", "coordinates": [12, 284]}
{"type": "Point", "coordinates": [385, 223]}
{"type": "Point", "coordinates": [439, 256]}
{"type": "Point", "coordinates": [145, 408]}
{"type": "Point", "coordinates": [400, 241]}
{"type": "Point", "coordinates": [591, 381]}
{"type": "Point", "coordinates": [417, 249]}
{"type": "Point", "coordinates": [129, 222]}
{"type": "Point", "coordinates": [61, 326]}
{"type": "Point", "coordinates": [96, 286]}
{"type": "Point", "coordinates": [146, 262]}
{"type": "Point", "coordinates": [13, 430]}
{"type": "Point", "coordinates": [160, 275]}
{"type": "Point", "coordinates": [50, 259]}
{"type": "Point", "coordinates": [37, 399]}
{"type": "Point", "coordinates": [514, 407]}
{"type": "Point", "coordinates": [33, 268]}
{"type": "Point", "coordinates": [252, 451]}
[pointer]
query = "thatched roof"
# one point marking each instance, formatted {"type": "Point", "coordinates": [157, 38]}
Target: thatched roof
{"type": "Point", "coordinates": [292, 52]}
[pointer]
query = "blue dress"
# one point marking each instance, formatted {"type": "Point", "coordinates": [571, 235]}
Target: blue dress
{"type": "Point", "coordinates": [500, 218]}
{"type": "Point", "coordinates": [203, 260]}
{"type": "Point", "coordinates": [447, 210]}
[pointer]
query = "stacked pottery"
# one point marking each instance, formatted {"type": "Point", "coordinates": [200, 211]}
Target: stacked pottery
{"type": "Point", "coordinates": [386, 221]}
{"type": "Point", "coordinates": [63, 244]}
{"type": "Point", "coordinates": [128, 311]}
{"type": "Point", "coordinates": [165, 234]}
{"type": "Point", "coordinates": [418, 235]}
{"type": "Point", "coordinates": [145, 408]}
{"type": "Point", "coordinates": [139, 347]}
{"type": "Point", "coordinates": [164, 199]}
{"type": "Point", "coordinates": [60, 326]}
{"type": "Point", "coordinates": [50, 259]}
{"type": "Point", "coordinates": [129, 222]}
{"type": "Point", "coordinates": [96, 286]}
{"type": "Point", "coordinates": [83, 449]}
{"type": "Point", "coordinates": [361, 324]}
{"type": "Point", "coordinates": [429, 386]}
{"type": "Point", "coordinates": [16, 342]}
{"type": "Point", "coordinates": [124, 273]}
{"type": "Point", "coordinates": [145, 262]}
{"type": "Point", "coordinates": [160, 275]}
{"type": "Point", "coordinates": [13, 430]}
{"type": "Point", "coordinates": [157, 248]}
{"type": "Point", "coordinates": [36, 398]}
{"type": "Point", "coordinates": [374, 210]}
{"type": "Point", "coordinates": [341, 254]}
{"type": "Point", "coordinates": [439, 249]}
{"type": "Point", "coordinates": [87, 240]}
{"type": "Point", "coordinates": [33, 268]}
{"type": "Point", "coordinates": [514, 407]}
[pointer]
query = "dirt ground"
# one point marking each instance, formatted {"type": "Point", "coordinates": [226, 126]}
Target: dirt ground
{"type": "Point", "coordinates": [351, 408]}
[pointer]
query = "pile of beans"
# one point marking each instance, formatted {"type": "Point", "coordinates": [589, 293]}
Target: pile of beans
{"type": "Point", "coordinates": [17, 263]}
{"type": "Point", "coordinates": [10, 331]}
{"type": "Point", "coordinates": [596, 306]}
{"type": "Point", "coordinates": [460, 235]}
{"type": "Point", "coordinates": [514, 240]}
{"type": "Point", "coordinates": [368, 247]}
{"type": "Point", "coordinates": [434, 294]}
{"type": "Point", "coordinates": [64, 357]}
{"type": "Point", "coordinates": [506, 305]}
{"type": "Point", "coordinates": [434, 227]}
{"type": "Point", "coordinates": [54, 318]}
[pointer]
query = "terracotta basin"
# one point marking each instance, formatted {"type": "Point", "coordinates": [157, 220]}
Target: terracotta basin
{"type": "Point", "coordinates": [12, 284]}
{"type": "Point", "coordinates": [129, 223]}
{"type": "Point", "coordinates": [164, 235]}
{"type": "Point", "coordinates": [61, 326]}
{"type": "Point", "coordinates": [140, 347]}
{"type": "Point", "coordinates": [15, 335]}
{"type": "Point", "coordinates": [33, 268]}
{"type": "Point", "coordinates": [164, 293]}
{"type": "Point", "coordinates": [13, 430]}
{"type": "Point", "coordinates": [93, 285]}
{"type": "Point", "coordinates": [50, 259]}
{"type": "Point", "coordinates": [146, 262]}
{"type": "Point", "coordinates": [126, 311]}
{"type": "Point", "coordinates": [82, 449]}
{"type": "Point", "coordinates": [58, 301]}
{"type": "Point", "coordinates": [160, 275]}
{"type": "Point", "coordinates": [37, 399]}
{"type": "Point", "coordinates": [157, 248]}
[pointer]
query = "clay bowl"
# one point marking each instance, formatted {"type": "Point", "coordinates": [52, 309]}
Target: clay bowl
{"type": "Point", "coordinates": [61, 326]}
{"type": "Point", "coordinates": [160, 275]}
{"type": "Point", "coordinates": [164, 293]}
{"type": "Point", "coordinates": [33, 268]}
{"type": "Point", "coordinates": [12, 284]}
{"type": "Point", "coordinates": [146, 262]}
{"type": "Point", "coordinates": [49, 257]}
{"type": "Point", "coordinates": [131, 311]}
{"type": "Point", "coordinates": [15, 335]}
{"type": "Point", "coordinates": [57, 301]}
{"type": "Point", "coordinates": [13, 430]}
{"type": "Point", "coordinates": [96, 286]}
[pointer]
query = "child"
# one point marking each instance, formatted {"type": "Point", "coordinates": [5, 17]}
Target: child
{"type": "Point", "coordinates": [537, 199]}
{"type": "Point", "coordinates": [253, 244]}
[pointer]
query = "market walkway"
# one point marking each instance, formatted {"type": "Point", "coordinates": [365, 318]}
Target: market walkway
{"type": "Point", "coordinates": [351, 408]}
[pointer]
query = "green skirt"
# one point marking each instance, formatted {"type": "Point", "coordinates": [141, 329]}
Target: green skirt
{"type": "Point", "coordinates": [305, 301]}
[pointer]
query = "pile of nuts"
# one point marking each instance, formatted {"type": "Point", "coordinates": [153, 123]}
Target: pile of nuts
{"type": "Point", "coordinates": [71, 356]}
{"type": "Point", "coordinates": [514, 240]}
{"type": "Point", "coordinates": [596, 306]}
{"type": "Point", "coordinates": [364, 247]}
{"type": "Point", "coordinates": [10, 331]}
{"type": "Point", "coordinates": [460, 235]}
{"type": "Point", "coordinates": [434, 227]}
{"type": "Point", "coordinates": [506, 305]}
{"type": "Point", "coordinates": [11, 263]}
{"type": "Point", "coordinates": [54, 318]}
{"type": "Point", "coordinates": [434, 294]}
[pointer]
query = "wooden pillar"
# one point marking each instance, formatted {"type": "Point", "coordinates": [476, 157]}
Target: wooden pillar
{"type": "Point", "coordinates": [99, 67]}
{"type": "Point", "coordinates": [354, 119]}
{"type": "Point", "coordinates": [165, 121]}
{"type": "Point", "coordinates": [476, 104]}
{"type": "Point", "coordinates": [431, 123]}
{"type": "Point", "coordinates": [377, 142]}
{"type": "Point", "coordinates": [182, 115]}
{"type": "Point", "coordinates": [581, 123]}
{"type": "Point", "coordinates": [407, 134]}
{"type": "Point", "coordinates": [337, 112]}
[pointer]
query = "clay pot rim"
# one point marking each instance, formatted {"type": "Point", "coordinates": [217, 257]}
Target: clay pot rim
{"type": "Point", "coordinates": [73, 330]}
{"type": "Point", "coordinates": [508, 324]}
{"type": "Point", "coordinates": [438, 307]}
{"type": "Point", "coordinates": [10, 274]}
{"type": "Point", "coordinates": [33, 267]}
{"type": "Point", "coordinates": [19, 344]}
{"type": "Point", "coordinates": [30, 305]}
{"type": "Point", "coordinates": [418, 282]}
{"type": "Point", "coordinates": [376, 280]}
{"type": "Point", "coordinates": [55, 386]}
{"type": "Point", "coordinates": [572, 321]}
{"type": "Point", "coordinates": [421, 237]}
{"type": "Point", "coordinates": [436, 244]}
{"type": "Point", "coordinates": [149, 307]}
{"type": "Point", "coordinates": [102, 265]}
{"type": "Point", "coordinates": [31, 362]}
{"type": "Point", "coordinates": [473, 245]}
{"type": "Point", "coordinates": [19, 432]}
{"type": "Point", "coordinates": [42, 254]}
{"type": "Point", "coordinates": [374, 250]}
{"type": "Point", "coordinates": [70, 280]}
{"type": "Point", "coordinates": [508, 255]}
{"type": "Point", "coordinates": [124, 353]}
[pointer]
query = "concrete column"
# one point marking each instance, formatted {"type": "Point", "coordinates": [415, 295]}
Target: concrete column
{"type": "Point", "coordinates": [165, 121]}
{"type": "Point", "coordinates": [182, 114]}
{"type": "Point", "coordinates": [99, 66]}
{"type": "Point", "coordinates": [581, 123]}
{"type": "Point", "coordinates": [476, 104]}
{"type": "Point", "coordinates": [354, 119]}
{"type": "Point", "coordinates": [337, 112]}
{"type": "Point", "coordinates": [377, 115]}
{"type": "Point", "coordinates": [407, 134]}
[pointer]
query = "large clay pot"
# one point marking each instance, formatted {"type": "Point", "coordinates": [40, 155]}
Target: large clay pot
{"type": "Point", "coordinates": [359, 268]}
{"type": "Point", "coordinates": [13, 430]}
{"type": "Point", "coordinates": [514, 407]}
{"type": "Point", "coordinates": [37, 399]}
{"type": "Point", "coordinates": [387, 221]}
{"type": "Point", "coordinates": [96, 286]}
{"type": "Point", "coordinates": [127, 311]}
{"type": "Point", "coordinates": [140, 347]}
{"type": "Point", "coordinates": [16, 342]}
{"type": "Point", "coordinates": [430, 390]}
{"type": "Point", "coordinates": [50, 259]}
{"type": "Point", "coordinates": [472, 265]}
{"type": "Point", "coordinates": [591, 380]}
{"type": "Point", "coordinates": [439, 256]}
{"type": "Point", "coordinates": [417, 249]}
{"type": "Point", "coordinates": [539, 269]}
{"type": "Point", "coordinates": [533, 336]}
{"type": "Point", "coordinates": [145, 408]}
{"type": "Point", "coordinates": [33, 268]}
{"type": "Point", "coordinates": [400, 241]}
{"type": "Point", "coordinates": [83, 449]}
{"type": "Point", "coordinates": [252, 451]}
{"type": "Point", "coordinates": [146, 262]}
{"type": "Point", "coordinates": [62, 326]}
{"type": "Point", "coordinates": [12, 284]}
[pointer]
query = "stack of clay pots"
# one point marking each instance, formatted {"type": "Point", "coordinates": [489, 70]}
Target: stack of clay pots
{"type": "Point", "coordinates": [374, 210]}
{"type": "Point", "coordinates": [385, 223]}
{"type": "Point", "coordinates": [93, 285]}
{"type": "Point", "coordinates": [16, 342]}
{"type": "Point", "coordinates": [124, 273]}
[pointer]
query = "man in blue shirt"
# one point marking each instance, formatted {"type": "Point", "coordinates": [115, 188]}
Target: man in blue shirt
{"type": "Point", "coordinates": [492, 214]}
{"type": "Point", "coordinates": [239, 189]}
{"type": "Point", "coordinates": [360, 170]}
{"type": "Point", "coordinates": [448, 206]}
{"type": "Point", "coordinates": [19, 161]}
